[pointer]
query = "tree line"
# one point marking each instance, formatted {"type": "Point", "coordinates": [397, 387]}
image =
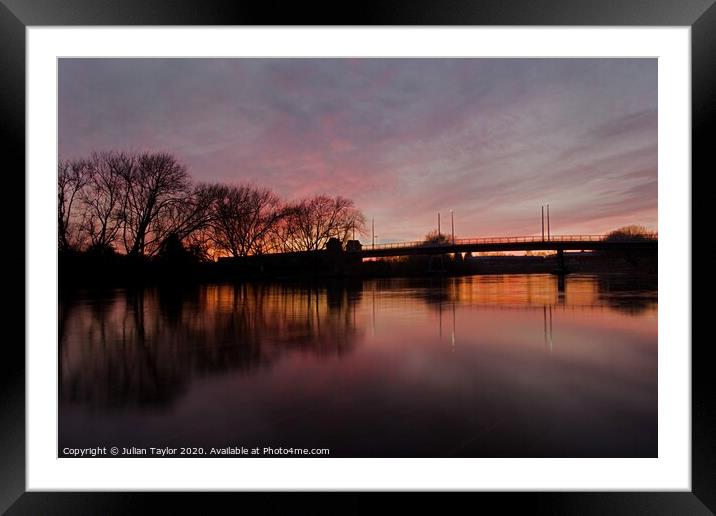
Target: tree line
{"type": "Point", "coordinates": [133, 203]}
{"type": "Point", "coordinates": [631, 233]}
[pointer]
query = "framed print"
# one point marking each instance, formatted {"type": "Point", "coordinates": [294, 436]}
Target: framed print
{"type": "Point", "coordinates": [437, 248]}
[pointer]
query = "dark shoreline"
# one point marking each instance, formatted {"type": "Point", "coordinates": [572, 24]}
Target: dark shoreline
{"type": "Point", "coordinates": [119, 271]}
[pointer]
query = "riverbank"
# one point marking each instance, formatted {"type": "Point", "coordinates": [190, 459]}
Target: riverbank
{"type": "Point", "coordinates": [116, 270]}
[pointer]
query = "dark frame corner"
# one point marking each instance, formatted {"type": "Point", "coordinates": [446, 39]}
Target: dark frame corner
{"type": "Point", "coordinates": [16, 15]}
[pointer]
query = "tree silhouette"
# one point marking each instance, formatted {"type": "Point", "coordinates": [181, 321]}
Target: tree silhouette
{"type": "Point", "coordinates": [156, 187]}
{"type": "Point", "coordinates": [105, 197]}
{"type": "Point", "coordinates": [173, 252]}
{"type": "Point", "coordinates": [310, 223]}
{"type": "Point", "coordinates": [244, 216]}
{"type": "Point", "coordinates": [71, 179]}
{"type": "Point", "coordinates": [631, 233]}
{"type": "Point", "coordinates": [142, 204]}
{"type": "Point", "coordinates": [436, 239]}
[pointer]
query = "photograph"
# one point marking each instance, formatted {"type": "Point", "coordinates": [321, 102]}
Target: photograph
{"type": "Point", "coordinates": [267, 252]}
{"type": "Point", "coordinates": [357, 257]}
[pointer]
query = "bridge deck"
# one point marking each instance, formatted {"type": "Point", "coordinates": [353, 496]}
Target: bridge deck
{"type": "Point", "coordinates": [519, 243]}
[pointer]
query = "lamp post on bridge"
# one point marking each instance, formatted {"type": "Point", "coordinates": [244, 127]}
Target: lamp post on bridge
{"type": "Point", "coordinates": [548, 231]}
{"type": "Point", "coordinates": [438, 224]}
{"type": "Point", "coordinates": [452, 224]}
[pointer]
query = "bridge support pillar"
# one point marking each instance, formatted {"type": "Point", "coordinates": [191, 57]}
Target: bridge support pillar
{"type": "Point", "coordinates": [561, 269]}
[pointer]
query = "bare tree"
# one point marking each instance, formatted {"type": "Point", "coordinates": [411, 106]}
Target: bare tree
{"type": "Point", "coordinates": [194, 211]}
{"type": "Point", "coordinates": [244, 217]}
{"type": "Point", "coordinates": [105, 196]}
{"type": "Point", "coordinates": [436, 239]}
{"type": "Point", "coordinates": [140, 201]}
{"type": "Point", "coordinates": [189, 222]}
{"type": "Point", "coordinates": [71, 179]}
{"type": "Point", "coordinates": [200, 244]}
{"type": "Point", "coordinates": [312, 222]}
{"type": "Point", "coordinates": [632, 232]}
{"type": "Point", "coordinates": [280, 238]}
{"type": "Point", "coordinates": [156, 185]}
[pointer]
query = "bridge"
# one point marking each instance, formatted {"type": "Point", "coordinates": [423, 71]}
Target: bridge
{"type": "Point", "coordinates": [558, 243]}
{"type": "Point", "coordinates": [337, 258]}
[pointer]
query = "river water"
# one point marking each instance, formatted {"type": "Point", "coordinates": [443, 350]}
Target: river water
{"type": "Point", "coordinates": [477, 366]}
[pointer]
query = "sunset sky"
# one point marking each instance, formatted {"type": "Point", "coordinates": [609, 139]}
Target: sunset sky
{"type": "Point", "coordinates": [490, 139]}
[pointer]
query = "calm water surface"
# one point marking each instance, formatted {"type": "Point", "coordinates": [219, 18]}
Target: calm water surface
{"type": "Point", "coordinates": [480, 366]}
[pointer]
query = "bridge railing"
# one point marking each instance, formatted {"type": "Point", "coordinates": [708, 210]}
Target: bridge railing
{"type": "Point", "coordinates": [488, 240]}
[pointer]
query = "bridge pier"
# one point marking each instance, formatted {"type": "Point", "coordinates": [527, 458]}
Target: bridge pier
{"type": "Point", "coordinates": [561, 269]}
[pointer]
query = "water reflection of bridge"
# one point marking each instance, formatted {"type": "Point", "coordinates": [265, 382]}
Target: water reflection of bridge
{"type": "Point", "coordinates": [546, 319]}
{"type": "Point", "coordinates": [497, 307]}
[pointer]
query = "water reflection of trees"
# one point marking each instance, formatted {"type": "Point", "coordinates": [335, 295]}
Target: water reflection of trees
{"type": "Point", "coordinates": [143, 347]}
{"type": "Point", "coordinates": [629, 293]}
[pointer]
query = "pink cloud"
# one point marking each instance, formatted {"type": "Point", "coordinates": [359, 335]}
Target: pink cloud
{"type": "Point", "coordinates": [491, 139]}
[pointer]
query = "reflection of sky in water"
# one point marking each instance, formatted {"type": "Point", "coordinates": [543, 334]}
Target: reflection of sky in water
{"type": "Point", "coordinates": [475, 366]}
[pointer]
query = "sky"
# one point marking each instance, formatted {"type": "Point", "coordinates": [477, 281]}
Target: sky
{"type": "Point", "coordinates": [490, 139]}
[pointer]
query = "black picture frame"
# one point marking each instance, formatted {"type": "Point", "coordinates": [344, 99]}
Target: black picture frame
{"type": "Point", "coordinates": [16, 15]}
